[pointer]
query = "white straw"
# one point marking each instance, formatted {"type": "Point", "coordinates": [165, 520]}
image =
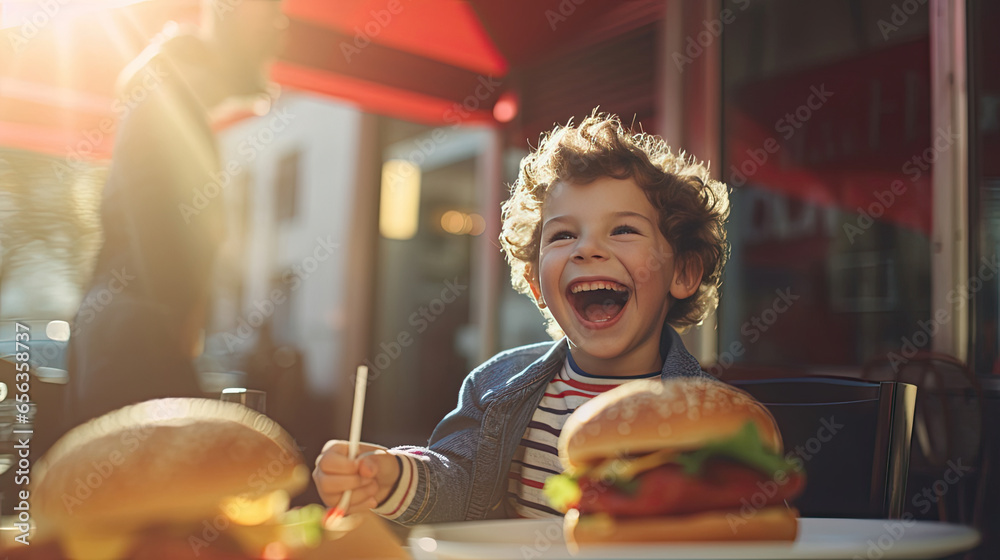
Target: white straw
{"type": "Point", "coordinates": [360, 385]}
{"type": "Point", "coordinates": [354, 438]}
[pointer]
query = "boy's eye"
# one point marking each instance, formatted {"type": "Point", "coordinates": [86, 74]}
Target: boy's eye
{"type": "Point", "coordinates": [624, 229]}
{"type": "Point", "coordinates": [560, 235]}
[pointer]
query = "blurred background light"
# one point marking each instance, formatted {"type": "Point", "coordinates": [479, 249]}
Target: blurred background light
{"type": "Point", "coordinates": [460, 223]}
{"type": "Point", "coordinates": [39, 14]}
{"type": "Point", "coordinates": [399, 208]}
{"type": "Point", "coordinates": [478, 224]}
{"type": "Point", "coordinates": [57, 330]}
{"type": "Point", "coordinates": [452, 221]}
{"type": "Point", "coordinates": [505, 108]}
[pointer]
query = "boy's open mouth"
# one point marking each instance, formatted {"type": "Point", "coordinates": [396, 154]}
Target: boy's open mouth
{"type": "Point", "coordinates": [598, 301]}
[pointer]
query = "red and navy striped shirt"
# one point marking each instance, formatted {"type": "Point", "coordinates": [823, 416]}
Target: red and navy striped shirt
{"type": "Point", "coordinates": [536, 457]}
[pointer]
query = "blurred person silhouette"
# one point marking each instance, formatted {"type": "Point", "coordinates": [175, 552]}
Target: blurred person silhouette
{"type": "Point", "coordinates": [140, 324]}
{"type": "Point", "coordinates": [278, 369]}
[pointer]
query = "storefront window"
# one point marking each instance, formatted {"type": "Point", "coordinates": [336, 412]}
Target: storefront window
{"type": "Point", "coordinates": [423, 340]}
{"type": "Point", "coordinates": [826, 130]}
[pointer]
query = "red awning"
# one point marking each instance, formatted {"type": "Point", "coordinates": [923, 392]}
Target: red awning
{"type": "Point", "coordinates": [429, 61]}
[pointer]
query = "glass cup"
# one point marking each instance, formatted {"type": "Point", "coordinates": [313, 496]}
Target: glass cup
{"type": "Point", "coordinates": [251, 398]}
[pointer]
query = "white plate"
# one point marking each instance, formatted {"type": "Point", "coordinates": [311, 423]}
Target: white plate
{"type": "Point", "coordinates": [819, 539]}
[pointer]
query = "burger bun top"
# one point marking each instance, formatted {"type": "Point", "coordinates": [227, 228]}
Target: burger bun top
{"type": "Point", "coordinates": [159, 462]}
{"type": "Point", "coordinates": [643, 416]}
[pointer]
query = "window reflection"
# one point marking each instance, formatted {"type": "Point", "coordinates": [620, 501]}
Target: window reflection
{"type": "Point", "coordinates": [828, 147]}
{"type": "Point", "coordinates": [984, 176]}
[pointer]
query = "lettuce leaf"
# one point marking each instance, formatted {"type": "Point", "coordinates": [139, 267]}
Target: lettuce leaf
{"type": "Point", "coordinates": [743, 447]}
{"type": "Point", "coordinates": [562, 491]}
{"type": "Point", "coordinates": [303, 527]}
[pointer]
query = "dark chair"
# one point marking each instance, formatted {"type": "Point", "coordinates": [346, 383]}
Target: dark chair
{"type": "Point", "coordinates": [949, 426]}
{"type": "Point", "coordinates": [852, 436]}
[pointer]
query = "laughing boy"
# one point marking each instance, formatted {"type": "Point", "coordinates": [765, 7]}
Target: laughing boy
{"type": "Point", "coordinates": [621, 244]}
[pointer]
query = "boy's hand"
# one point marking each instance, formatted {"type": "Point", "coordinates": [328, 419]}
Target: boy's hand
{"type": "Point", "coordinates": [369, 477]}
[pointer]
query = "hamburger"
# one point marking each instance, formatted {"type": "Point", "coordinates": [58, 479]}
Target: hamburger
{"type": "Point", "coordinates": [686, 459]}
{"type": "Point", "coordinates": [171, 478]}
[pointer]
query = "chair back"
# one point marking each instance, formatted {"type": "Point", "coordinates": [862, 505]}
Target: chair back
{"type": "Point", "coordinates": [949, 425]}
{"type": "Point", "coordinates": [852, 436]}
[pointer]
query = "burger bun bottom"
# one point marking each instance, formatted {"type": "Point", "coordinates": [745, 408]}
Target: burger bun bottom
{"type": "Point", "coordinates": [776, 523]}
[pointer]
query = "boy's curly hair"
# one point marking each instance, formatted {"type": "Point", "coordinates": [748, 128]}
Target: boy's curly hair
{"type": "Point", "coordinates": [692, 207]}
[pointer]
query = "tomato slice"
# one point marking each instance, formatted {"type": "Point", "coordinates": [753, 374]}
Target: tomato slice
{"type": "Point", "coordinates": [666, 490]}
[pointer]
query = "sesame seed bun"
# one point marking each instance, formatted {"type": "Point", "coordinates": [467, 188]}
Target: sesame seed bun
{"type": "Point", "coordinates": [161, 461]}
{"type": "Point", "coordinates": [643, 416]}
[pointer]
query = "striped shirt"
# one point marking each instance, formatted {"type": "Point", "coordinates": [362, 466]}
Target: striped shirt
{"type": "Point", "coordinates": [536, 457]}
{"type": "Point", "coordinates": [406, 487]}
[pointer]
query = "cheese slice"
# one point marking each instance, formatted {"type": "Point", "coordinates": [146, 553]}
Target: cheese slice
{"type": "Point", "coordinates": [627, 468]}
